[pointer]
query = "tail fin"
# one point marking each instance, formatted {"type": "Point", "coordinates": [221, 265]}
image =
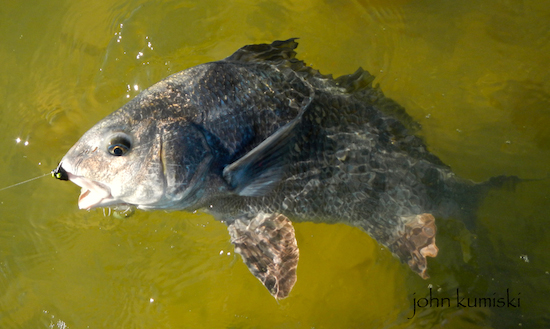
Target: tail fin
{"type": "Point", "coordinates": [464, 197]}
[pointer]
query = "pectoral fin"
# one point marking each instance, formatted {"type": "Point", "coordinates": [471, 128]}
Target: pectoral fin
{"type": "Point", "coordinates": [268, 247]}
{"type": "Point", "coordinates": [257, 172]}
{"type": "Point", "coordinates": [417, 242]}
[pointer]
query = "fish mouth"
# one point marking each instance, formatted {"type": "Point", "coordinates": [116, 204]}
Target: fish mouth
{"type": "Point", "coordinates": [93, 194]}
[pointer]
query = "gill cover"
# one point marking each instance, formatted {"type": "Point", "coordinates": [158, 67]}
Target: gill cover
{"type": "Point", "coordinates": [186, 159]}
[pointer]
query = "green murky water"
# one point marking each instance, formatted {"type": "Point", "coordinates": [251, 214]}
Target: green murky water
{"type": "Point", "coordinates": [473, 73]}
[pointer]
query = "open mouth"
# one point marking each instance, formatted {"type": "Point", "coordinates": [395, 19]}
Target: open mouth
{"type": "Point", "coordinates": [93, 194]}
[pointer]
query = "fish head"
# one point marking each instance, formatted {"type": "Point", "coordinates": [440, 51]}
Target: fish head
{"type": "Point", "coordinates": [136, 158]}
{"type": "Point", "coordinates": [110, 158]}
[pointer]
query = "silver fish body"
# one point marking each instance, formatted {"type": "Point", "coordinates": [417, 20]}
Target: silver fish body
{"type": "Point", "coordinates": [259, 139]}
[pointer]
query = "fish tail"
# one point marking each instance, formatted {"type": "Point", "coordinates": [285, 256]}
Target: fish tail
{"type": "Point", "coordinates": [466, 197]}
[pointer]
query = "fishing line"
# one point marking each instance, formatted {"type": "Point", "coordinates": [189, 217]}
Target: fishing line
{"type": "Point", "coordinates": [23, 182]}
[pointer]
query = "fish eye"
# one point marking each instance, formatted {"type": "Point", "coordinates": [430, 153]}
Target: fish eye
{"type": "Point", "coordinates": [119, 145]}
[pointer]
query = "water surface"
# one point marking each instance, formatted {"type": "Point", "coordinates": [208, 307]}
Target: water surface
{"type": "Point", "coordinates": [473, 73]}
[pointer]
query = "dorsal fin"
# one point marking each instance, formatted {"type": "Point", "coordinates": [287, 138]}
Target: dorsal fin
{"type": "Point", "coordinates": [359, 83]}
{"type": "Point", "coordinates": [276, 51]}
{"type": "Point", "coordinates": [358, 80]}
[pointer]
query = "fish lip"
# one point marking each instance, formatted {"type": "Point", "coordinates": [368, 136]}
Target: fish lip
{"type": "Point", "coordinates": [93, 194]}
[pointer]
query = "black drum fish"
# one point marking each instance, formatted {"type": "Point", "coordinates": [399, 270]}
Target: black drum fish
{"type": "Point", "coordinates": [259, 140]}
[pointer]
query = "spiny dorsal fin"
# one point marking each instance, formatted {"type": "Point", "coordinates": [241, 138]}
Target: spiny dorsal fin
{"type": "Point", "coordinates": [267, 244]}
{"type": "Point", "coordinates": [358, 80]}
{"type": "Point", "coordinates": [276, 51]}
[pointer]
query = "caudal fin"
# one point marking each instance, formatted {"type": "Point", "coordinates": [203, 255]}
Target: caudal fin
{"type": "Point", "coordinates": [463, 198]}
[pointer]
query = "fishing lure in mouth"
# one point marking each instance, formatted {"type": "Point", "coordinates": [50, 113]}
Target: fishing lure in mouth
{"type": "Point", "coordinates": [60, 173]}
